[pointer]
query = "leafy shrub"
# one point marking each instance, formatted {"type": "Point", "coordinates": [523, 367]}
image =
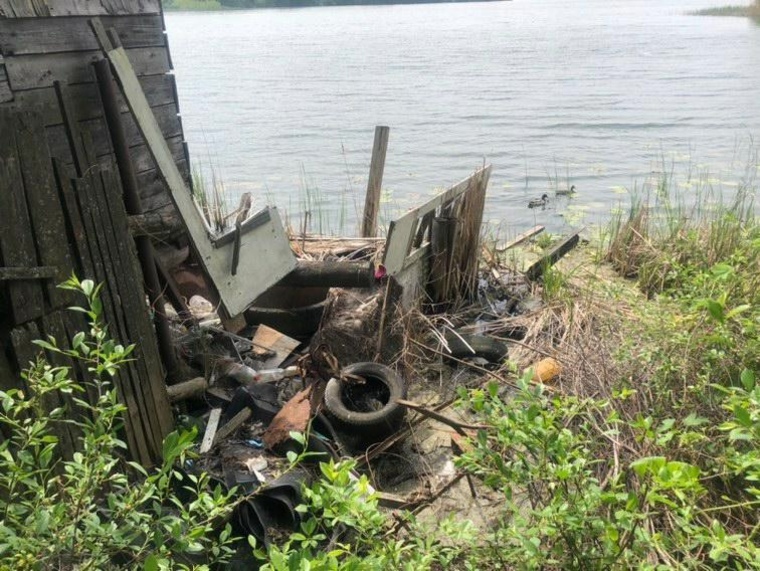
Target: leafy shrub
{"type": "Point", "coordinates": [95, 510]}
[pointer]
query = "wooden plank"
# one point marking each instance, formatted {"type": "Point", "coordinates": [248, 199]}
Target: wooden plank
{"type": "Point", "coordinates": [131, 299]}
{"type": "Point", "coordinates": [27, 273]}
{"type": "Point", "coordinates": [35, 71]}
{"type": "Point", "coordinates": [211, 426]}
{"type": "Point", "coordinates": [16, 239]}
{"type": "Point", "coordinates": [5, 88]}
{"type": "Point", "coordinates": [143, 160]}
{"type": "Point", "coordinates": [41, 8]}
{"type": "Point", "coordinates": [74, 224]}
{"type": "Point", "coordinates": [272, 258]}
{"type": "Point", "coordinates": [268, 339]}
{"type": "Point", "coordinates": [44, 205]}
{"type": "Point", "coordinates": [537, 269]}
{"type": "Point", "coordinates": [375, 182]}
{"type": "Point", "coordinates": [520, 238]}
{"type": "Point", "coordinates": [85, 99]}
{"type": "Point", "coordinates": [232, 425]}
{"type": "Point", "coordinates": [128, 378]}
{"type": "Point", "coordinates": [50, 35]}
{"type": "Point", "coordinates": [138, 320]}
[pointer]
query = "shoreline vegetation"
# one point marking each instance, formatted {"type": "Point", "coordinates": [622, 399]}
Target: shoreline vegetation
{"type": "Point", "coordinates": [208, 5]}
{"type": "Point", "coordinates": [751, 11]}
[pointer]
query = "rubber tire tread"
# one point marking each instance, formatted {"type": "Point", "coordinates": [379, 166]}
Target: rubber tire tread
{"type": "Point", "coordinates": [378, 423]}
{"type": "Point", "coordinates": [490, 349]}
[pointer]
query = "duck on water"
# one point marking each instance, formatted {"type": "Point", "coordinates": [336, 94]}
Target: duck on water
{"type": "Point", "coordinates": [539, 202]}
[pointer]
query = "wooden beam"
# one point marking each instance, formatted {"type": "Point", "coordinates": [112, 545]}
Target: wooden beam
{"type": "Point", "coordinates": [187, 389]}
{"type": "Point", "coordinates": [520, 238]}
{"type": "Point", "coordinates": [375, 182]}
{"type": "Point", "coordinates": [31, 273]}
{"type": "Point", "coordinates": [537, 269]}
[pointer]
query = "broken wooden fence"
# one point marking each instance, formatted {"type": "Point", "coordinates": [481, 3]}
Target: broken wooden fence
{"type": "Point", "coordinates": [52, 224]}
{"type": "Point", "coordinates": [458, 214]}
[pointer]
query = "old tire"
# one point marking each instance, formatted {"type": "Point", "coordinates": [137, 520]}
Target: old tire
{"type": "Point", "coordinates": [488, 348]}
{"type": "Point", "coordinates": [367, 411]}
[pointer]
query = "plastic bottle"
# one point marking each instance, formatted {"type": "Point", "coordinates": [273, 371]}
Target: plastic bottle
{"type": "Point", "coordinates": [269, 375]}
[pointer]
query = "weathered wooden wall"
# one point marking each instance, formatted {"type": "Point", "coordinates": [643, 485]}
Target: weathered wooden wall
{"type": "Point", "coordinates": [49, 217]}
{"type": "Point", "coordinates": [43, 41]}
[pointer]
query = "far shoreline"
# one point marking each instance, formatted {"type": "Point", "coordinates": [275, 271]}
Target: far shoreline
{"type": "Point", "coordinates": [216, 5]}
{"type": "Point", "coordinates": [743, 11]}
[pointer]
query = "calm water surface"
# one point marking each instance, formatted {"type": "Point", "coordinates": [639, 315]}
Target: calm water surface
{"type": "Point", "coordinates": [602, 94]}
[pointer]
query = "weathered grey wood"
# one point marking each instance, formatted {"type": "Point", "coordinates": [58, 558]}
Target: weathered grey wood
{"type": "Point", "coordinates": [35, 70]}
{"type": "Point", "coordinates": [50, 35]}
{"type": "Point", "coordinates": [5, 89]}
{"type": "Point", "coordinates": [158, 224]}
{"type": "Point", "coordinates": [30, 273]}
{"type": "Point", "coordinates": [520, 238]}
{"type": "Point", "coordinates": [402, 231]}
{"type": "Point", "coordinates": [193, 388]}
{"type": "Point", "coordinates": [159, 90]}
{"type": "Point", "coordinates": [16, 238]}
{"type": "Point", "coordinates": [42, 8]}
{"type": "Point", "coordinates": [266, 255]}
{"type": "Point", "coordinates": [442, 237]}
{"type": "Point", "coordinates": [127, 376]}
{"type": "Point", "coordinates": [375, 182]}
{"type": "Point", "coordinates": [59, 146]}
{"type": "Point", "coordinates": [538, 268]}
{"type": "Point", "coordinates": [232, 425]}
{"type": "Point", "coordinates": [211, 426]}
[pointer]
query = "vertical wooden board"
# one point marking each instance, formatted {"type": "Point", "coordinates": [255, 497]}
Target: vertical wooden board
{"type": "Point", "coordinates": [50, 35]}
{"type": "Point", "coordinates": [128, 378]}
{"type": "Point", "coordinates": [52, 325]}
{"type": "Point", "coordinates": [5, 88]}
{"type": "Point", "coordinates": [16, 239]}
{"type": "Point", "coordinates": [139, 321]}
{"type": "Point", "coordinates": [45, 208]}
{"type": "Point", "coordinates": [74, 224]}
{"type": "Point", "coordinates": [132, 313]}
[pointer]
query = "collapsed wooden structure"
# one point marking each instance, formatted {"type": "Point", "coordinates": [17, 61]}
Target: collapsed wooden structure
{"type": "Point", "coordinates": [64, 140]}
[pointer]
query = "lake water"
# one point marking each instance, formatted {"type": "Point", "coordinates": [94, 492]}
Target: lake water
{"type": "Point", "coordinates": [602, 94]}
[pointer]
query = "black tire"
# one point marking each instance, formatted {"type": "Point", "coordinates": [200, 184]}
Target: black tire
{"type": "Point", "coordinates": [382, 386]}
{"type": "Point", "coordinates": [490, 349]}
{"type": "Point", "coordinates": [298, 322]}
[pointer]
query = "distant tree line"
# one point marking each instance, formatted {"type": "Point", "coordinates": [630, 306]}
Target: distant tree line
{"type": "Point", "coordinates": [302, 3]}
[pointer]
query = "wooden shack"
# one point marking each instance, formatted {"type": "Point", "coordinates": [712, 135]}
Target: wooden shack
{"type": "Point", "coordinates": [59, 217]}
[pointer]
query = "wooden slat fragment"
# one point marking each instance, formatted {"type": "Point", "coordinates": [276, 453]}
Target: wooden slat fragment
{"type": "Point", "coordinates": [211, 426]}
{"type": "Point", "coordinates": [520, 238]}
{"type": "Point", "coordinates": [268, 339]}
{"type": "Point", "coordinates": [537, 269]}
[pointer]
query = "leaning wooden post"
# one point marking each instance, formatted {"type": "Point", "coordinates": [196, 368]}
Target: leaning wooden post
{"type": "Point", "coordinates": [375, 182]}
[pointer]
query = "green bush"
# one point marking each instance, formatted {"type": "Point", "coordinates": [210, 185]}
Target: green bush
{"type": "Point", "coordinates": [95, 510]}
